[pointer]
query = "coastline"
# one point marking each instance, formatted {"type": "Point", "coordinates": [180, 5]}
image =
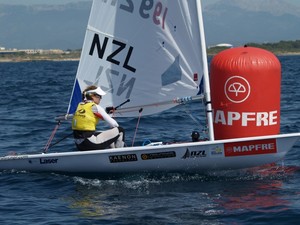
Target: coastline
{"type": "Point", "coordinates": [275, 53]}
{"type": "Point", "coordinates": [6, 60]}
{"type": "Point", "coordinates": [73, 56]}
{"type": "Point", "coordinates": [17, 59]}
{"type": "Point", "coordinates": [287, 54]}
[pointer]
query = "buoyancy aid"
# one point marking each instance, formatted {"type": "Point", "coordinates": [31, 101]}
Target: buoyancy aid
{"type": "Point", "coordinates": [84, 118]}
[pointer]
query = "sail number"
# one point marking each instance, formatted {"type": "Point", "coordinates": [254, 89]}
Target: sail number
{"type": "Point", "coordinates": [145, 8]}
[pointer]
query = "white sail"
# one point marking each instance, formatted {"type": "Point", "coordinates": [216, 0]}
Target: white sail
{"type": "Point", "coordinates": [144, 51]}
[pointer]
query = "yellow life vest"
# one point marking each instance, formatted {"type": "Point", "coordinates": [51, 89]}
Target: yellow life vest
{"type": "Point", "coordinates": [84, 118]}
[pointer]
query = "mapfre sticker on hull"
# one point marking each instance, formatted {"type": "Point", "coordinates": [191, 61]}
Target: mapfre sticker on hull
{"type": "Point", "coordinates": [250, 148]}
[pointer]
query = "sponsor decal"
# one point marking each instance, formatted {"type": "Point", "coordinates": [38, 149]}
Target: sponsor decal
{"type": "Point", "coordinates": [194, 154]}
{"type": "Point", "coordinates": [237, 89]}
{"type": "Point", "coordinates": [47, 161]}
{"type": "Point", "coordinates": [13, 157]}
{"type": "Point", "coordinates": [122, 158]}
{"type": "Point", "coordinates": [245, 119]}
{"type": "Point", "coordinates": [217, 151]}
{"type": "Point", "coordinates": [158, 155]}
{"type": "Point", "coordinates": [250, 147]}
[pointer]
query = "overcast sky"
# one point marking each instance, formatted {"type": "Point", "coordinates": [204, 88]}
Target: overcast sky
{"type": "Point", "coordinates": [28, 2]}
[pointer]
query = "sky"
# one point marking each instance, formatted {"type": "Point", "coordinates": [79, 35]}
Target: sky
{"type": "Point", "coordinates": [288, 31]}
{"type": "Point", "coordinates": [30, 2]}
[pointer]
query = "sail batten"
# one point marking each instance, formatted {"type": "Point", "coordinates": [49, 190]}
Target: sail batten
{"type": "Point", "coordinates": [143, 52]}
{"type": "Point", "coordinates": [95, 30]}
{"type": "Point", "coordinates": [173, 102]}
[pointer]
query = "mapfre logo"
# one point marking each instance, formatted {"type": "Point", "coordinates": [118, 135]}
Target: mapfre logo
{"type": "Point", "coordinates": [250, 147]}
{"type": "Point", "coordinates": [237, 89]}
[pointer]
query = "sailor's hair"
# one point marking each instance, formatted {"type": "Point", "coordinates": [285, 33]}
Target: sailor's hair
{"type": "Point", "coordinates": [86, 94]}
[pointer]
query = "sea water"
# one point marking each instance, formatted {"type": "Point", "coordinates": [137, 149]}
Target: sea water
{"type": "Point", "coordinates": [33, 93]}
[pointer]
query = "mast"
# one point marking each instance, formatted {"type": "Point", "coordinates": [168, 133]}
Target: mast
{"type": "Point", "coordinates": [205, 71]}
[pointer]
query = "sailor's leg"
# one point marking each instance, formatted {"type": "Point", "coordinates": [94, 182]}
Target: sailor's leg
{"type": "Point", "coordinates": [120, 141]}
{"type": "Point", "coordinates": [106, 138]}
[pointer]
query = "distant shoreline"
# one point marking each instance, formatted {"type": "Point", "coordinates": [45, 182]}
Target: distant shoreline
{"type": "Point", "coordinates": [62, 58]}
{"type": "Point", "coordinates": [24, 57]}
{"type": "Point", "coordinates": [289, 53]}
{"type": "Point", "coordinates": [42, 59]}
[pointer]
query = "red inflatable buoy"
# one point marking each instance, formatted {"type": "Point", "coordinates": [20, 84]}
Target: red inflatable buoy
{"type": "Point", "coordinates": [245, 93]}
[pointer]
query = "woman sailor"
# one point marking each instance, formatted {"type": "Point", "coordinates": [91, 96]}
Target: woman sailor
{"type": "Point", "coordinates": [85, 119]}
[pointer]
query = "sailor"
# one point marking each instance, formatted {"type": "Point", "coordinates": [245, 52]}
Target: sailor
{"type": "Point", "coordinates": [86, 118]}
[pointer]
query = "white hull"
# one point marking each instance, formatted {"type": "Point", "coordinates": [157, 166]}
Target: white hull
{"type": "Point", "coordinates": [196, 157]}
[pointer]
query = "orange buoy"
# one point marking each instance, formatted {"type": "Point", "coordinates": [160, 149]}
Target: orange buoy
{"type": "Point", "coordinates": [245, 92]}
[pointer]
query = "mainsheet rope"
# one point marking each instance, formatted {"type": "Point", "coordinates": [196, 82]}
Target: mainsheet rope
{"type": "Point", "coordinates": [137, 125]}
{"type": "Point", "coordinates": [51, 137]}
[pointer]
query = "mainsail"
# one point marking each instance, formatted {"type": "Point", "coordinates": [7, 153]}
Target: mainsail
{"type": "Point", "coordinates": [144, 51]}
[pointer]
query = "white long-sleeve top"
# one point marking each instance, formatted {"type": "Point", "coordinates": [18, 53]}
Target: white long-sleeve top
{"type": "Point", "coordinates": [100, 112]}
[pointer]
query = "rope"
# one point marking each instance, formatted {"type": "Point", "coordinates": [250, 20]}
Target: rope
{"type": "Point", "coordinates": [203, 127]}
{"type": "Point", "coordinates": [188, 112]}
{"type": "Point", "coordinates": [61, 140]}
{"type": "Point", "coordinates": [51, 137]}
{"type": "Point", "coordinates": [137, 125]}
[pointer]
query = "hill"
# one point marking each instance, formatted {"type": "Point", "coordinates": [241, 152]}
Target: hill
{"type": "Point", "coordinates": [226, 21]}
{"type": "Point", "coordinates": [279, 48]}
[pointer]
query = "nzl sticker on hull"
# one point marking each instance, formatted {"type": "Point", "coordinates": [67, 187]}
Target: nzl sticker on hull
{"type": "Point", "coordinates": [194, 154]}
{"type": "Point", "coordinates": [250, 148]}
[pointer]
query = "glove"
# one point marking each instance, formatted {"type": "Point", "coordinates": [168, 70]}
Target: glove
{"type": "Point", "coordinates": [110, 109]}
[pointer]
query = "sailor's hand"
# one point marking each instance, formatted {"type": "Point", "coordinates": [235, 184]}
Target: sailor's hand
{"type": "Point", "coordinates": [110, 109]}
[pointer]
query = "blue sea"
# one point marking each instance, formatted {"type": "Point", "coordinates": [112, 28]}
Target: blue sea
{"type": "Point", "coordinates": [34, 93]}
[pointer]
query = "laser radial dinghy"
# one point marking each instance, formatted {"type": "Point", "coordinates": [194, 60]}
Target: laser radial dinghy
{"type": "Point", "coordinates": [151, 56]}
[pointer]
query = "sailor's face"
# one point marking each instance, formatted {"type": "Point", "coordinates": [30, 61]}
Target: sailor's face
{"type": "Point", "coordinates": [97, 98]}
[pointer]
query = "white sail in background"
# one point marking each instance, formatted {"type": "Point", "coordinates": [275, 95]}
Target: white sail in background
{"type": "Point", "coordinates": [144, 51]}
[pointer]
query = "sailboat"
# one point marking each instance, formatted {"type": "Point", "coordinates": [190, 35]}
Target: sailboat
{"type": "Point", "coordinates": [150, 56]}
